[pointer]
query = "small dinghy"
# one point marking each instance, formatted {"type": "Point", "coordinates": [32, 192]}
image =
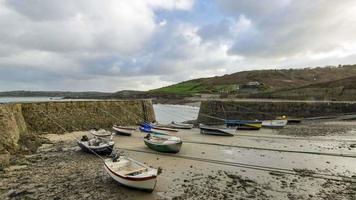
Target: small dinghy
{"type": "Point", "coordinates": [100, 133]}
{"type": "Point", "coordinates": [277, 123]}
{"type": "Point", "coordinates": [131, 173]}
{"type": "Point", "coordinates": [209, 130]}
{"type": "Point", "coordinates": [167, 144]}
{"type": "Point", "coordinates": [120, 130]}
{"type": "Point", "coordinates": [98, 145]}
{"type": "Point", "coordinates": [244, 125]}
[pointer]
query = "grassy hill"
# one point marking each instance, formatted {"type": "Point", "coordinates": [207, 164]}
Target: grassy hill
{"type": "Point", "coordinates": [342, 89]}
{"type": "Point", "coordinates": [270, 80]}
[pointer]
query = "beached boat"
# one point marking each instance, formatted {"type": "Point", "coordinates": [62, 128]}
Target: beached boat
{"type": "Point", "coordinates": [209, 130]}
{"type": "Point", "coordinates": [100, 133]}
{"type": "Point", "coordinates": [244, 125]}
{"type": "Point", "coordinates": [131, 173]}
{"type": "Point", "coordinates": [168, 144]}
{"type": "Point", "coordinates": [98, 145]}
{"type": "Point", "coordinates": [277, 123]}
{"type": "Point", "coordinates": [181, 125]}
{"type": "Point", "coordinates": [152, 131]}
{"type": "Point", "coordinates": [120, 130]}
{"type": "Point", "coordinates": [156, 127]}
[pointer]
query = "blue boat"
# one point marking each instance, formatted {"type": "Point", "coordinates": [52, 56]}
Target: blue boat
{"type": "Point", "coordinates": [147, 129]}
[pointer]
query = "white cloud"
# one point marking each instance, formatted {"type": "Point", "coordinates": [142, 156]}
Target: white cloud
{"type": "Point", "coordinates": [112, 45]}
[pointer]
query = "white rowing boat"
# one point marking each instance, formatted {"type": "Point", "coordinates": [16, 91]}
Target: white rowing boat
{"type": "Point", "coordinates": [131, 173]}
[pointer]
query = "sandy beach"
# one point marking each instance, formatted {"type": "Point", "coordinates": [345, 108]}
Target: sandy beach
{"type": "Point", "coordinates": [313, 160]}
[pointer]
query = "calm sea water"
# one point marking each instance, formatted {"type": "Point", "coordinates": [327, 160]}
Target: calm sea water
{"type": "Point", "coordinates": [164, 113]}
{"type": "Point", "coordinates": [178, 113]}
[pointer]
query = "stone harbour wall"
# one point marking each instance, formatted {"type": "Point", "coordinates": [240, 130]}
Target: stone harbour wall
{"type": "Point", "coordinates": [251, 110]}
{"type": "Point", "coordinates": [21, 124]}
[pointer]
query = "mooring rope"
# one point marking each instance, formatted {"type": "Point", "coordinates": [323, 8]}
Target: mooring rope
{"type": "Point", "coordinates": [250, 166]}
{"type": "Point", "coordinates": [65, 130]}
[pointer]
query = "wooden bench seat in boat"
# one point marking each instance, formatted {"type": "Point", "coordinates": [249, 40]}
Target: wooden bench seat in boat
{"type": "Point", "coordinates": [127, 172]}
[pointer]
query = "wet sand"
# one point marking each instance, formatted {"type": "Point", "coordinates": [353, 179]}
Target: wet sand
{"type": "Point", "coordinates": [251, 165]}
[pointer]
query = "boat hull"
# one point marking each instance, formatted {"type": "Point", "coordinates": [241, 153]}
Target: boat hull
{"type": "Point", "coordinates": [274, 124]}
{"type": "Point", "coordinates": [169, 148]}
{"type": "Point", "coordinates": [146, 184]}
{"type": "Point", "coordinates": [99, 150]}
{"type": "Point", "coordinates": [215, 131]}
{"type": "Point", "coordinates": [123, 132]}
{"type": "Point", "coordinates": [145, 130]}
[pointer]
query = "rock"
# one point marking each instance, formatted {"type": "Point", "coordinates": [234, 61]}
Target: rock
{"type": "Point", "coordinates": [4, 159]}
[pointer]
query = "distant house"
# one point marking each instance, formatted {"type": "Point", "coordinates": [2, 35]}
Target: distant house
{"type": "Point", "coordinates": [250, 87]}
{"type": "Point", "coordinates": [253, 83]}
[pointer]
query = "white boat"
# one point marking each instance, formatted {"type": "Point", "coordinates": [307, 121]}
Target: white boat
{"type": "Point", "coordinates": [131, 173]}
{"type": "Point", "coordinates": [100, 133]}
{"type": "Point", "coordinates": [96, 145]}
{"type": "Point", "coordinates": [277, 123]}
{"type": "Point", "coordinates": [123, 130]}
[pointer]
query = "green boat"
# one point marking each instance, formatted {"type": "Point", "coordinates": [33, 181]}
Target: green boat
{"type": "Point", "coordinates": [167, 144]}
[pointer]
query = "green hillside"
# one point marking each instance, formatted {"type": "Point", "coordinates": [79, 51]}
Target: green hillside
{"type": "Point", "coordinates": [269, 80]}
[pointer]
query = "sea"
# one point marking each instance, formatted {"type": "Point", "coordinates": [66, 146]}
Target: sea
{"type": "Point", "coordinates": [165, 113]}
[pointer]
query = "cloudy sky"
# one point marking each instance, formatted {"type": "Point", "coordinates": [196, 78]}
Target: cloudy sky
{"type": "Point", "coordinates": [113, 45]}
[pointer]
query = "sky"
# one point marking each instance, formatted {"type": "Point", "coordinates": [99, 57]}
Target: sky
{"type": "Point", "coordinates": [111, 45]}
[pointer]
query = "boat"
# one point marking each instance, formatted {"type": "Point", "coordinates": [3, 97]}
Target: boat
{"type": "Point", "coordinates": [150, 130]}
{"type": "Point", "coordinates": [244, 125]}
{"type": "Point", "coordinates": [100, 133]}
{"type": "Point", "coordinates": [167, 144]}
{"type": "Point", "coordinates": [131, 173]}
{"type": "Point", "coordinates": [120, 130]}
{"type": "Point", "coordinates": [161, 128]}
{"type": "Point", "coordinates": [96, 145]}
{"type": "Point", "coordinates": [277, 123]}
{"type": "Point", "coordinates": [209, 130]}
{"type": "Point", "coordinates": [181, 125]}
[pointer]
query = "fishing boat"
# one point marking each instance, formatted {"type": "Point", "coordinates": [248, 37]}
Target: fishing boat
{"type": "Point", "coordinates": [98, 145]}
{"type": "Point", "coordinates": [120, 130]}
{"type": "Point", "coordinates": [244, 125]}
{"type": "Point", "coordinates": [209, 130]}
{"type": "Point", "coordinates": [168, 144]}
{"type": "Point", "coordinates": [277, 123]}
{"type": "Point", "coordinates": [131, 173]}
{"type": "Point", "coordinates": [100, 133]}
{"type": "Point", "coordinates": [150, 130]}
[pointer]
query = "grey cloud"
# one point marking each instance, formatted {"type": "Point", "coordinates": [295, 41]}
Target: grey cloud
{"type": "Point", "coordinates": [286, 28]}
